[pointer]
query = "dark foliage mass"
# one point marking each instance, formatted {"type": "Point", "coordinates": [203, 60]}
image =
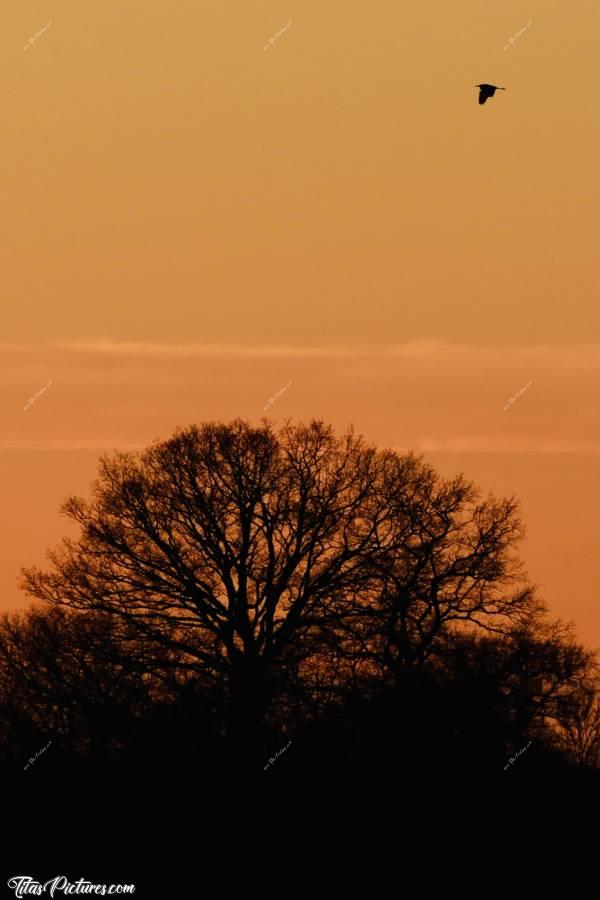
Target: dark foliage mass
{"type": "Point", "coordinates": [245, 603]}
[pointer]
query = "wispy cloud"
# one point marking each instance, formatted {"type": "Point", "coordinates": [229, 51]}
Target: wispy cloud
{"type": "Point", "coordinates": [581, 356]}
{"type": "Point", "coordinates": [138, 348]}
{"type": "Point", "coordinates": [477, 443]}
{"type": "Point", "coordinates": [428, 395]}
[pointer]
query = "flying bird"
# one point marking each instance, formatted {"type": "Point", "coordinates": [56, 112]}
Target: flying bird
{"type": "Point", "coordinates": [487, 90]}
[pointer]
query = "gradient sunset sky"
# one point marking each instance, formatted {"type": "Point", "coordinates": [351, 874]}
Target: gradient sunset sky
{"type": "Point", "coordinates": [192, 221]}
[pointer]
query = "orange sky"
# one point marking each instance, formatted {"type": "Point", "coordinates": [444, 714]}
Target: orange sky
{"type": "Point", "coordinates": [192, 221]}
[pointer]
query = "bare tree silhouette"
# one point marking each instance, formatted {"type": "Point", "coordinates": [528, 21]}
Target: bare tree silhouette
{"type": "Point", "coordinates": [578, 720]}
{"type": "Point", "coordinates": [275, 580]}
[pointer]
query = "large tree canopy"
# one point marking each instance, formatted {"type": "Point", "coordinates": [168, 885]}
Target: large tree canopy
{"type": "Point", "coordinates": [240, 548]}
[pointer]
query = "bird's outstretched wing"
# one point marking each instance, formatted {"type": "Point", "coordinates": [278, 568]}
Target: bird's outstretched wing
{"type": "Point", "coordinates": [485, 91]}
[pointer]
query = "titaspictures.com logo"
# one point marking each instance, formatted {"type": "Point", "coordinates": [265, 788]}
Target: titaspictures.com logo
{"type": "Point", "coordinates": [26, 886]}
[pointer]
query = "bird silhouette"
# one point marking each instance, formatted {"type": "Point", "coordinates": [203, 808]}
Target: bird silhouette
{"type": "Point", "coordinates": [487, 90]}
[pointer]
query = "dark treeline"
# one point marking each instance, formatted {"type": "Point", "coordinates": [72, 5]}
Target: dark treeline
{"type": "Point", "coordinates": [249, 603]}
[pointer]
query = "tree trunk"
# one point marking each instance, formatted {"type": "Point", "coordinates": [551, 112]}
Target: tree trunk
{"type": "Point", "coordinates": [249, 701]}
